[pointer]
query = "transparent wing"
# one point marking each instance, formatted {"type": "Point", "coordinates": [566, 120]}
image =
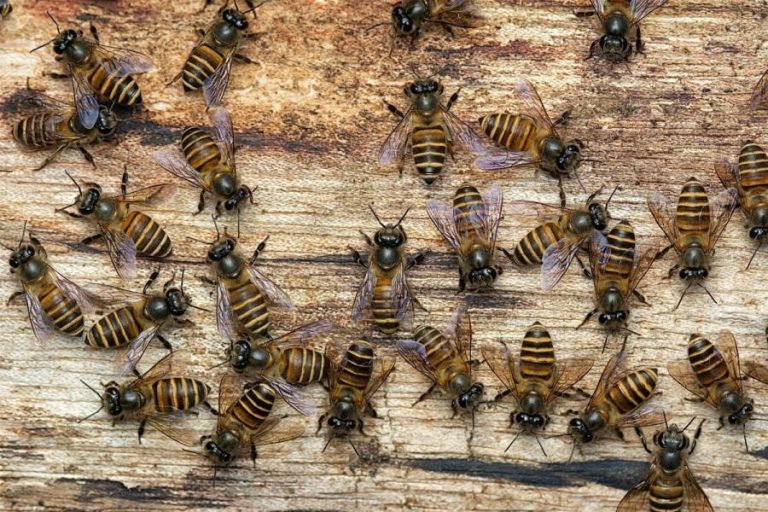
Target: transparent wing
{"type": "Point", "coordinates": [599, 6]}
{"type": "Point", "coordinates": [494, 202]}
{"type": "Point", "coordinates": [683, 374]}
{"type": "Point", "coordinates": [122, 252]}
{"type": "Point", "coordinates": [229, 392]}
{"type": "Point", "coordinates": [726, 342]}
{"type": "Point", "coordinates": [174, 162]}
{"type": "Point", "coordinates": [642, 265]}
{"type": "Point", "coordinates": [383, 368]}
{"type": "Point", "coordinates": [662, 209]}
{"type": "Point", "coordinates": [501, 362]}
{"type": "Point", "coordinates": [556, 260]}
{"type": "Point", "coordinates": [225, 318]}
{"type": "Point", "coordinates": [269, 288]}
{"type": "Point", "coordinates": [463, 135]}
{"type": "Point", "coordinates": [162, 368]}
{"type": "Point", "coordinates": [569, 373]}
{"type": "Point", "coordinates": [646, 416]}
{"type": "Point", "coordinates": [499, 158]}
{"type": "Point", "coordinates": [695, 497]}
{"type": "Point", "coordinates": [215, 85]}
{"type": "Point", "coordinates": [291, 395]}
{"type": "Point", "coordinates": [42, 325]}
{"type": "Point", "coordinates": [364, 295]}
{"type": "Point", "coordinates": [80, 295]}
{"type": "Point", "coordinates": [534, 105]}
{"type": "Point", "coordinates": [722, 209]}
{"type": "Point", "coordinates": [176, 426]}
{"type": "Point", "coordinates": [303, 333]}
{"type": "Point", "coordinates": [112, 295]}
{"type": "Point", "coordinates": [138, 346]}
{"type": "Point", "coordinates": [86, 104]}
{"type": "Point", "coordinates": [729, 177]}
{"type": "Point", "coordinates": [760, 93]}
{"type": "Point", "coordinates": [756, 370]}
{"type": "Point", "coordinates": [642, 8]}
{"type": "Point", "coordinates": [415, 355]}
{"type": "Point", "coordinates": [290, 428]}
{"type": "Point", "coordinates": [122, 61]}
{"type": "Point", "coordinates": [396, 144]}
{"type": "Point", "coordinates": [441, 215]}
{"type": "Point", "coordinates": [616, 365]}
{"type": "Point", "coordinates": [400, 294]}
{"type": "Point", "coordinates": [599, 252]}
{"type": "Point", "coordinates": [637, 498]}
{"type": "Point", "coordinates": [147, 195]}
{"type": "Point", "coordinates": [461, 13]}
{"type": "Point", "coordinates": [459, 329]}
{"type": "Point", "coordinates": [541, 211]}
{"type": "Point", "coordinates": [222, 123]}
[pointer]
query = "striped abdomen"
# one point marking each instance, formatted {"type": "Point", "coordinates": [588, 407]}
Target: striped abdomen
{"type": "Point", "coordinates": [200, 150]}
{"type": "Point", "coordinates": [123, 90]}
{"type": "Point", "coordinates": [430, 147]}
{"type": "Point", "coordinates": [200, 65]}
{"type": "Point", "coordinates": [39, 130]}
{"type": "Point", "coordinates": [6, 9]}
{"type": "Point", "coordinates": [440, 352]}
{"type": "Point", "coordinates": [707, 362]}
{"type": "Point", "coordinates": [633, 389]}
{"type": "Point", "coordinates": [530, 250]}
{"type": "Point", "coordinates": [514, 132]}
{"type": "Point", "coordinates": [249, 307]}
{"type": "Point", "coordinates": [470, 212]}
{"type": "Point", "coordinates": [692, 209]}
{"type": "Point", "coordinates": [150, 239]}
{"type": "Point", "coordinates": [666, 493]}
{"type": "Point", "coordinates": [302, 366]}
{"type": "Point", "coordinates": [383, 308]}
{"type": "Point", "coordinates": [537, 356]}
{"type": "Point", "coordinates": [621, 259]}
{"type": "Point", "coordinates": [64, 312]}
{"type": "Point", "coordinates": [178, 393]}
{"type": "Point", "coordinates": [253, 407]}
{"type": "Point", "coordinates": [356, 369]}
{"type": "Point", "coordinates": [753, 168]}
{"type": "Point", "coordinates": [115, 329]}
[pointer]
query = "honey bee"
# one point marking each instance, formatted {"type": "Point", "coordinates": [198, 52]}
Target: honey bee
{"type": "Point", "coordinates": [760, 93]}
{"type": "Point", "coordinates": [693, 230]}
{"type": "Point", "coordinates": [410, 16]}
{"type": "Point", "coordinates": [160, 398]}
{"type": "Point", "coordinates": [530, 137]}
{"type": "Point", "coordinates": [712, 372]}
{"type": "Point", "coordinates": [5, 8]}
{"type": "Point", "coordinates": [99, 73]}
{"type": "Point", "coordinates": [616, 270]}
{"type": "Point", "coordinates": [469, 226]}
{"type": "Point", "coordinates": [555, 244]}
{"type": "Point", "coordinates": [669, 481]}
{"type": "Point", "coordinates": [54, 303]}
{"type": "Point", "coordinates": [445, 358]}
{"type": "Point", "coordinates": [621, 24]}
{"type": "Point", "coordinates": [354, 378]}
{"type": "Point", "coordinates": [535, 379]}
{"type": "Point", "coordinates": [431, 130]}
{"type": "Point", "coordinates": [619, 401]}
{"type": "Point", "coordinates": [127, 232]}
{"type": "Point", "coordinates": [384, 293]}
{"type": "Point", "coordinates": [750, 180]}
{"type": "Point", "coordinates": [209, 164]}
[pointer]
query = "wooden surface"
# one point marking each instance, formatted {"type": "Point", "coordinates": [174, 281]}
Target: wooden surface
{"type": "Point", "coordinates": [309, 120]}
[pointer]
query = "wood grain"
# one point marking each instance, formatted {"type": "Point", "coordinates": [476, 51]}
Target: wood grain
{"type": "Point", "coordinates": [309, 119]}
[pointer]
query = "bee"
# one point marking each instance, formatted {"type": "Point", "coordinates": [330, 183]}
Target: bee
{"type": "Point", "coordinates": [621, 24]}
{"type": "Point", "coordinates": [750, 180]}
{"type": "Point", "coordinates": [158, 398]}
{"type": "Point", "coordinates": [54, 303]}
{"type": "Point", "coordinates": [99, 73]}
{"type": "Point", "coordinates": [530, 137]}
{"type": "Point", "coordinates": [445, 358]}
{"type": "Point", "coordinates": [619, 401]}
{"type": "Point", "coordinates": [409, 16]}
{"type": "Point", "coordinates": [384, 292]}
{"type": "Point", "coordinates": [616, 270]}
{"type": "Point", "coordinates": [713, 373]}
{"type": "Point", "coordinates": [54, 124]}
{"type": "Point", "coordinates": [535, 379]}
{"type": "Point", "coordinates": [470, 226]}
{"type": "Point", "coordinates": [5, 8]}
{"type": "Point", "coordinates": [669, 481]}
{"type": "Point", "coordinates": [555, 244]}
{"type": "Point", "coordinates": [354, 378]}
{"type": "Point", "coordinates": [693, 230]}
{"type": "Point", "coordinates": [245, 422]}
{"type": "Point", "coordinates": [208, 163]}
{"type": "Point", "coordinates": [431, 130]}
{"type": "Point", "coordinates": [126, 232]}
{"type": "Point", "coordinates": [760, 93]}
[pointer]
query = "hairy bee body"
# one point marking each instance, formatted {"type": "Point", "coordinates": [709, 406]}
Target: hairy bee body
{"type": "Point", "coordinates": [753, 170]}
{"type": "Point", "coordinates": [200, 150]}
{"type": "Point", "coordinates": [514, 132]}
{"type": "Point", "coordinates": [537, 355]}
{"type": "Point", "coordinates": [302, 366]}
{"type": "Point", "coordinates": [357, 367]}
{"type": "Point", "coordinates": [383, 307]}
{"type": "Point", "coordinates": [178, 393]}
{"type": "Point", "coordinates": [632, 390]}
{"type": "Point", "coordinates": [249, 305]}
{"type": "Point", "coordinates": [530, 250]}
{"type": "Point", "coordinates": [118, 328]}
{"type": "Point", "coordinates": [621, 259]}
{"type": "Point", "coordinates": [692, 218]}
{"type": "Point", "coordinates": [46, 130]}
{"type": "Point", "coordinates": [430, 145]}
{"type": "Point", "coordinates": [709, 367]}
{"type": "Point", "coordinates": [65, 312]}
{"type": "Point", "coordinates": [441, 353]}
{"type": "Point", "coordinates": [254, 406]}
{"type": "Point", "coordinates": [122, 90]}
{"type": "Point", "coordinates": [150, 239]}
{"type": "Point", "coordinates": [666, 493]}
{"type": "Point", "coordinates": [200, 65]}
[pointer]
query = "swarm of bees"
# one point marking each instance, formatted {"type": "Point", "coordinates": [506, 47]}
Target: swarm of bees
{"type": "Point", "coordinates": [265, 372]}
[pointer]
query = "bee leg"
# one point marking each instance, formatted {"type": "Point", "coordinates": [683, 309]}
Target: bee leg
{"type": "Point", "coordinates": [512, 419]}
{"type": "Point", "coordinates": [672, 271]}
{"type": "Point", "coordinates": [254, 454]}
{"type": "Point", "coordinates": [242, 58]}
{"type": "Point", "coordinates": [14, 296]}
{"type": "Point", "coordinates": [152, 278]}
{"type": "Point", "coordinates": [124, 182]}
{"type": "Point", "coordinates": [201, 202]}
{"type": "Point", "coordinates": [357, 258]}
{"type": "Point", "coordinates": [587, 318]}
{"type": "Point", "coordinates": [367, 239]}
{"type": "Point", "coordinates": [722, 423]}
{"type": "Point", "coordinates": [584, 269]}
{"type": "Point", "coordinates": [218, 209]}
{"type": "Point", "coordinates": [452, 99]}
{"type": "Point", "coordinates": [207, 280]}
{"type": "Point", "coordinates": [320, 423]}
{"type": "Point", "coordinates": [562, 191]}
{"type": "Point", "coordinates": [563, 121]}
{"type": "Point", "coordinates": [593, 49]}
{"type": "Point", "coordinates": [695, 400]}
{"type": "Point", "coordinates": [462, 283]}
{"type": "Point", "coordinates": [360, 427]}
{"type": "Point", "coordinates": [501, 395]}
{"type": "Point", "coordinates": [57, 76]}
{"type": "Point", "coordinates": [136, 373]}
{"type": "Point", "coordinates": [94, 32]}
{"type": "Point", "coordinates": [583, 13]}
{"type": "Point", "coordinates": [416, 260]}
{"type": "Point", "coordinates": [425, 394]}
{"type": "Point", "coordinates": [639, 46]}
{"type": "Point", "coordinates": [89, 240]}
{"type": "Point", "coordinates": [175, 78]}
{"type": "Point", "coordinates": [370, 411]}
{"type": "Point", "coordinates": [640, 297]}
{"type": "Point", "coordinates": [640, 434]}
{"type": "Point", "coordinates": [211, 408]}
{"type": "Point", "coordinates": [257, 251]}
{"type": "Point", "coordinates": [621, 435]}
{"type": "Point", "coordinates": [662, 252]}
{"type": "Point", "coordinates": [696, 436]}
{"type": "Point", "coordinates": [165, 342]}
{"type": "Point", "coordinates": [50, 158]}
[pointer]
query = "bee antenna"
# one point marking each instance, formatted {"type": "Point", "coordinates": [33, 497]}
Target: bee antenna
{"type": "Point", "coordinates": [578, 178]}
{"type": "Point", "coordinates": [512, 442]}
{"type": "Point", "coordinates": [182, 279]}
{"type": "Point", "coordinates": [630, 331]}
{"type": "Point", "coordinates": [403, 217]}
{"type": "Point", "coordinates": [23, 231]}
{"type": "Point", "coordinates": [198, 240]}
{"type": "Point", "coordinates": [573, 449]}
{"type": "Point", "coordinates": [609, 200]}
{"type": "Point", "coordinates": [753, 255]}
{"type": "Point", "coordinates": [353, 446]}
{"type": "Point", "coordinates": [54, 21]}
{"type": "Point", "coordinates": [252, 9]}
{"type": "Point", "coordinates": [377, 25]}
{"type": "Point", "coordinates": [226, 361]}
{"type": "Point", "coordinates": [330, 438]}
{"type": "Point", "coordinates": [100, 399]}
{"type": "Point", "coordinates": [415, 72]}
{"type": "Point", "coordinates": [42, 45]}
{"type": "Point", "coordinates": [686, 425]}
{"type": "Point", "coordinates": [683, 295]}
{"type": "Point", "coordinates": [705, 289]}
{"type": "Point", "coordinates": [605, 343]}
{"type": "Point", "coordinates": [541, 446]}
{"type": "Point", "coordinates": [375, 215]}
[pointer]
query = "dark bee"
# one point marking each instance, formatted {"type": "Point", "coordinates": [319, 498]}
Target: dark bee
{"type": "Point", "coordinates": [410, 16]}
{"type": "Point", "coordinates": [5, 8]}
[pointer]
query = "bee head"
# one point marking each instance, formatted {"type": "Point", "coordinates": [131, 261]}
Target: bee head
{"type": "Point", "coordinates": [615, 48]}
{"type": "Point", "coordinates": [533, 421]}
{"type": "Point", "coordinates": [238, 197]}
{"type": "Point", "coordinates": [236, 18]}
{"type": "Point", "coordinates": [427, 86]}
{"type": "Point", "coordinates": [239, 355]}
{"type": "Point", "coordinates": [221, 248]}
{"type": "Point", "coordinates": [344, 417]}
{"type": "Point", "coordinates": [106, 122]}
{"type": "Point", "coordinates": [21, 255]}
{"type": "Point", "coordinates": [482, 277]}
{"type": "Point", "coordinates": [578, 428]}
{"type": "Point", "coordinates": [569, 158]}
{"type": "Point", "coordinates": [742, 414]}
{"type": "Point", "coordinates": [598, 215]}
{"type": "Point", "coordinates": [111, 400]}
{"type": "Point", "coordinates": [63, 41]}
{"type": "Point", "coordinates": [390, 235]}
{"type": "Point", "coordinates": [402, 22]}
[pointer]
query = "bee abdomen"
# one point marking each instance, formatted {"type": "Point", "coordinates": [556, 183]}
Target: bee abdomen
{"type": "Point", "coordinates": [122, 89]}
{"type": "Point", "coordinates": [666, 495]}
{"type": "Point", "coordinates": [706, 360]}
{"type": "Point", "coordinates": [64, 312]}
{"type": "Point", "coordinates": [250, 308]}
{"type": "Point", "coordinates": [200, 65]}
{"type": "Point", "coordinates": [6, 9]}
{"type": "Point", "coordinates": [115, 329]}
{"type": "Point", "coordinates": [633, 389]}
{"type": "Point", "coordinates": [383, 308]}
{"type": "Point", "coordinates": [149, 238]}
{"type": "Point", "coordinates": [471, 210]}
{"type": "Point", "coordinates": [753, 167]}
{"type": "Point", "coordinates": [621, 242]}
{"type": "Point", "coordinates": [200, 150]}
{"type": "Point", "coordinates": [38, 130]}
{"type": "Point", "coordinates": [253, 407]}
{"type": "Point", "coordinates": [530, 250]}
{"type": "Point", "coordinates": [302, 366]}
{"type": "Point", "coordinates": [693, 208]}
{"type": "Point", "coordinates": [430, 148]}
{"type": "Point", "coordinates": [179, 393]}
{"type": "Point", "coordinates": [515, 133]}
{"type": "Point", "coordinates": [356, 370]}
{"type": "Point", "coordinates": [439, 351]}
{"type": "Point", "coordinates": [537, 355]}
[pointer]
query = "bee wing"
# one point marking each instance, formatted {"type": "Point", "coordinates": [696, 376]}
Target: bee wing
{"type": "Point", "coordinates": [722, 210]}
{"type": "Point", "coordinates": [291, 395]}
{"type": "Point", "coordinates": [500, 361]}
{"type": "Point", "coordinates": [108, 295]}
{"type": "Point", "coordinates": [177, 426]}
{"type": "Point", "coordinates": [616, 366]}
{"type": "Point", "coordinates": [683, 374]}
{"type": "Point", "coordinates": [222, 123]}
{"type": "Point", "coordinates": [400, 293]}
{"type": "Point", "coordinates": [646, 416]}
{"type": "Point", "coordinates": [459, 328]}
{"type": "Point", "coordinates": [80, 295]}
{"type": "Point", "coordinates": [334, 356]}
{"type": "Point", "coordinates": [756, 370]}
{"type": "Point", "coordinates": [174, 162]}
{"type": "Point", "coordinates": [662, 211]}
{"type": "Point", "coordinates": [494, 202]}
{"type": "Point", "coordinates": [122, 61]}
{"type": "Point", "coordinates": [122, 252]}
{"type": "Point", "coordinates": [599, 253]}
{"type": "Point", "coordinates": [396, 144]}
{"type": "Point", "coordinates": [133, 355]}
{"type": "Point", "coordinates": [641, 267]}
{"type": "Point", "coordinates": [147, 195]}
{"type": "Point", "coordinates": [500, 158]}
{"type": "Point", "coordinates": [364, 295]}
{"type": "Point", "coordinates": [268, 287]}
{"type": "Point", "coordinates": [556, 260]}
{"type": "Point", "coordinates": [599, 6]}
{"type": "Point", "coordinates": [442, 217]}
{"type": "Point", "coordinates": [728, 173]}
{"type": "Point", "coordinates": [229, 392]}
{"type": "Point", "coordinates": [383, 367]}
{"type": "Point", "coordinates": [637, 498]}
{"type": "Point", "coordinates": [464, 135]}
{"type": "Point", "coordinates": [462, 13]}
{"type": "Point", "coordinates": [290, 428]}
{"type": "Point", "coordinates": [726, 342]}
{"type": "Point", "coordinates": [642, 8]}
{"type": "Point", "coordinates": [695, 496]}
{"type": "Point", "coordinates": [303, 333]}
{"type": "Point", "coordinates": [415, 355]}
{"type": "Point", "coordinates": [760, 92]}
{"type": "Point", "coordinates": [215, 85]}
{"type": "Point", "coordinates": [160, 369]}
{"type": "Point", "coordinates": [42, 325]}
{"type": "Point", "coordinates": [86, 104]}
{"type": "Point", "coordinates": [225, 319]}
{"type": "Point", "coordinates": [570, 372]}
{"type": "Point", "coordinates": [534, 105]}
{"type": "Point", "coordinates": [541, 211]}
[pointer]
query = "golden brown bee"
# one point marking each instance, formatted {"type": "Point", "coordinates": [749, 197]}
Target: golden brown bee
{"type": "Point", "coordinates": [127, 232]}
{"type": "Point", "coordinates": [470, 225]}
{"type": "Point", "coordinates": [384, 294]}
{"type": "Point", "coordinates": [750, 180]}
{"type": "Point", "coordinates": [99, 73]}
{"type": "Point", "coordinates": [616, 270]}
{"type": "Point", "coordinates": [54, 303]}
{"type": "Point", "coordinates": [760, 93]}
{"type": "Point", "coordinates": [712, 372]}
{"type": "Point", "coordinates": [445, 358]}
{"type": "Point", "coordinates": [693, 229]}
{"type": "Point", "coordinates": [530, 137]}
{"type": "Point", "coordinates": [535, 379]}
{"type": "Point", "coordinates": [669, 482]}
{"type": "Point", "coordinates": [208, 163]}
{"type": "Point", "coordinates": [431, 130]}
{"type": "Point", "coordinates": [355, 377]}
{"type": "Point", "coordinates": [159, 397]}
{"type": "Point", "coordinates": [621, 25]}
{"type": "Point", "coordinates": [5, 8]}
{"type": "Point", "coordinates": [410, 16]}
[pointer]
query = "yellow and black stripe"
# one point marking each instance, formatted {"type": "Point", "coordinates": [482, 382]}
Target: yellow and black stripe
{"type": "Point", "coordinates": [537, 355]}
{"type": "Point", "coordinates": [122, 89]}
{"type": "Point", "coordinates": [6, 9]}
{"type": "Point", "coordinates": [64, 312]}
{"type": "Point", "coordinates": [357, 367]}
{"type": "Point", "coordinates": [38, 130]}
{"type": "Point", "coordinates": [179, 393]}
{"type": "Point", "coordinates": [383, 308]}
{"type": "Point", "coordinates": [621, 259]}
{"type": "Point", "coordinates": [200, 150]}
{"type": "Point", "coordinates": [470, 212]}
{"type": "Point", "coordinates": [302, 366]}
{"type": "Point", "coordinates": [707, 362]}
{"type": "Point", "coordinates": [753, 168]}
{"type": "Point", "coordinates": [514, 132]}
{"type": "Point", "coordinates": [149, 238]}
{"type": "Point", "coordinates": [253, 407]}
{"type": "Point", "coordinates": [530, 250]}
{"type": "Point", "coordinates": [201, 64]}
{"type": "Point", "coordinates": [250, 307]}
{"type": "Point", "coordinates": [666, 493]}
{"type": "Point", "coordinates": [115, 329]}
{"type": "Point", "coordinates": [633, 389]}
{"type": "Point", "coordinates": [430, 147]}
{"type": "Point", "coordinates": [693, 209]}
{"type": "Point", "coordinates": [440, 352]}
